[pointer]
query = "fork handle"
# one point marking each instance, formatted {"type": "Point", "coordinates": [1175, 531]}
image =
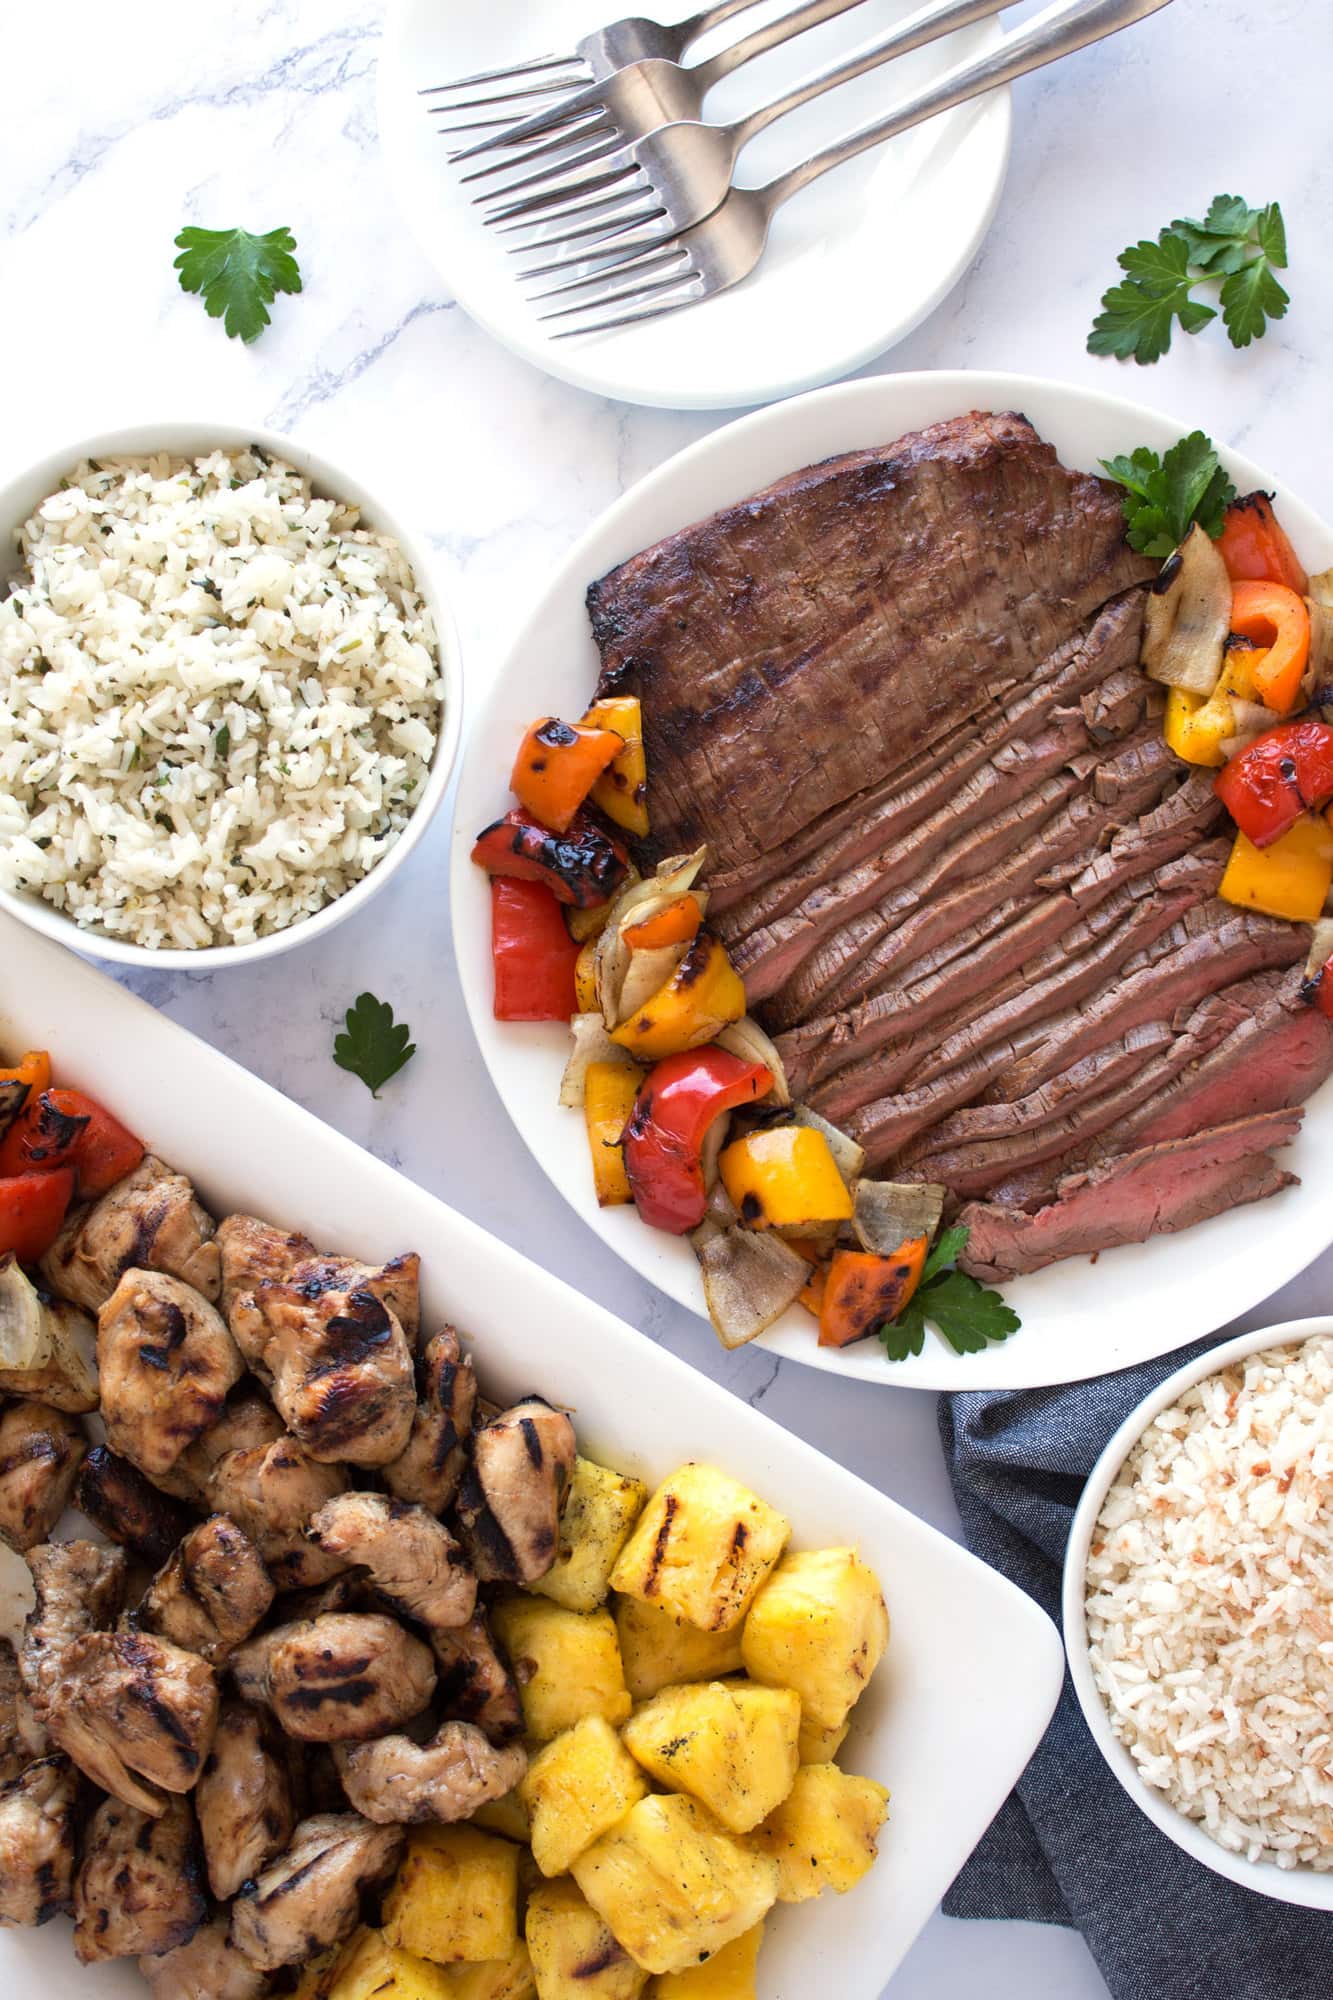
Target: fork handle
{"type": "Point", "coordinates": [773, 36]}
{"type": "Point", "coordinates": [1060, 31]}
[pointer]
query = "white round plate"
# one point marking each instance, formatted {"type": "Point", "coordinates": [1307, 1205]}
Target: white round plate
{"type": "Point", "coordinates": [854, 263]}
{"type": "Point", "coordinates": [1079, 1318]}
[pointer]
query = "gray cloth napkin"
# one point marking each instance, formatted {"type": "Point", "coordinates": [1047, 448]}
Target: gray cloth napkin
{"type": "Point", "coordinates": [1068, 1847]}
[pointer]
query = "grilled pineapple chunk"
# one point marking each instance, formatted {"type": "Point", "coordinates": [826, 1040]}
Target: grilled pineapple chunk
{"type": "Point", "coordinates": [729, 1744]}
{"type": "Point", "coordinates": [510, 1816]}
{"type": "Point", "coordinates": [814, 1745]}
{"type": "Point", "coordinates": [494, 1979]}
{"type": "Point", "coordinates": [576, 1789]}
{"type": "Point", "coordinates": [455, 1896]}
{"type": "Point", "coordinates": [818, 1625]}
{"type": "Point", "coordinates": [318, 1974]}
{"type": "Point", "coordinates": [567, 1664]}
{"type": "Point", "coordinates": [728, 1975]}
{"type": "Point", "coordinates": [673, 1884]}
{"type": "Point", "coordinates": [662, 1651]}
{"type": "Point", "coordinates": [702, 1547]}
{"type": "Point", "coordinates": [600, 1508]}
{"type": "Point", "coordinates": [822, 1836]}
{"type": "Point", "coordinates": [371, 1965]}
{"type": "Point", "coordinates": [573, 1952]}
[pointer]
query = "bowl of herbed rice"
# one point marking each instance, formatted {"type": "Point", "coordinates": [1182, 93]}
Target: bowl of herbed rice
{"type": "Point", "coordinates": [1198, 1609]}
{"type": "Point", "coordinates": [230, 695]}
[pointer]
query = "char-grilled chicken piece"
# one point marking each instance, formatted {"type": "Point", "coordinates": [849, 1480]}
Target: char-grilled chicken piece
{"type": "Point", "coordinates": [338, 1679]}
{"type": "Point", "coordinates": [508, 1506]}
{"type": "Point", "coordinates": [165, 1361]}
{"type": "Point", "coordinates": [79, 1588]}
{"type": "Point", "coordinates": [40, 1450]}
{"type": "Point", "coordinates": [128, 1508]}
{"type": "Point", "coordinates": [135, 1713]}
{"type": "Point", "coordinates": [311, 1896]}
{"type": "Point", "coordinates": [210, 1594]}
{"type": "Point", "coordinates": [249, 1467]}
{"type": "Point", "coordinates": [139, 1890]}
{"type": "Point", "coordinates": [474, 1683]}
{"type": "Point", "coordinates": [37, 1837]}
{"type": "Point", "coordinates": [208, 1967]}
{"type": "Point", "coordinates": [22, 1738]}
{"type": "Point", "coordinates": [243, 1799]}
{"type": "Point", "coordinates": [332, 1337]}
{"type": "Point", "coordinates": [414, 1562]}
{"type": "Point", "coordinates": [149, 1220]}
{"type": "Point", "coordinates": [395, 1781]}
{"type": "Point", "coordinates": [432, 1465]}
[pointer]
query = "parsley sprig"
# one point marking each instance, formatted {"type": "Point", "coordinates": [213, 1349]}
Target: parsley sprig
{"type": "Point", "coordinates": [374, 1046]}
{"type": "Point", "coordinates": [968, 1315]}
{"type": "Point", "coordinates": [1165, 496]}
{"type": "Point", "coordinates": [239, 274]}
{"type": "Point", "coordinates": [1238, 246]}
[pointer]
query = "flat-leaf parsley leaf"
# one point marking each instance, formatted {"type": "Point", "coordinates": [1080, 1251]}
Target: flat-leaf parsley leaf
{"type": "Point", "coordinates": [238, 274]}
{"type": "Point", "coordinates": [1165, 496]}
{"type": "Point", "coordinates": [966, 1313]}
{"type": "Point", "coordinates": [375, 1046]}
{"type": "Point", "coordinates": [1240, 246]}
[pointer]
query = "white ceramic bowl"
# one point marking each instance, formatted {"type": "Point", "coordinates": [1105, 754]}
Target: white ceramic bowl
{"type": "Point", "coordinates": [21, 494]}
{"type": "Point", "coordinates": [1285, 1885]}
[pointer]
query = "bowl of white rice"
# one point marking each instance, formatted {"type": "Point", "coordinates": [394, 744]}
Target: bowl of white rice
{"type": "Point", "coordinates": [1198, 1609]}
{"type": "Point", "coordinates": [230, 695]}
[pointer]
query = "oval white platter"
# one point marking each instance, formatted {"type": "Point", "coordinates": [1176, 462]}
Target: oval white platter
{"type": "Point", "coordinates": [854, 263]}
{"type": "Point", "coordinates": [1079, 1318]}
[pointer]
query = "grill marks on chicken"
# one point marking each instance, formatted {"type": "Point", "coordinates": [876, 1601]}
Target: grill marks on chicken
{"type": "Point", "coordinates": [22, 1738]}
{"type": "Point", "coordinates": [136, 1713]}
{"type": "Point", "coordinates": [37, 1835]}
{"type": "Point", "coordinates": [475, 1685]}
{"type": "Point", "coordinates": [310, 1897]}
{"type": "Point", "coordinates": [416, 1565]}
{"type": "Point", "coordinates": [210, 1594]}
{"type": "Point", "coordinates": [149, 1221]}
{"type": "Point", "coordinates": [166, 1362]}
{"type": "Point", "coordinates": [341, 1678]}
{"type": "Point", "coordinates": [251, 1469]}
{"type": "Point", "coordinates": [208, 1967]}
{"type": "Point", "coordinates": [397, 1781]}
{"type": "Point", "coordinates": [128, 1508]}
{"type": "Point", "coordinates": [139, 1889]}
{"type": "Point", "coordinates": [243, 1799]}
{"type": "Point", "coordinates": [40, 1450]}
{"type": "Point", "coordinates": [508, 1506]}
{"type": "Point", "coordinates": [79, 1588]}
{"type": "Point", "coordinates": [429, 1470]}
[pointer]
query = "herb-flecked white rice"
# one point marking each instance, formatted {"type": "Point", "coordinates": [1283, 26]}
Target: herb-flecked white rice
{"type": "Point", "coordinates": [219, 698]}
{"type": "Point", "coordinates": [1210, 1605]}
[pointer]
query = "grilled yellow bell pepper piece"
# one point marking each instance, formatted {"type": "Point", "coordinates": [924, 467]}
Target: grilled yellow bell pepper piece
{"type": "Point", "coordinates": [609, 1091]}
{"type": "Point", "coordinates": [1289, 879]}
{"type": "Point", "coordinates": [784, 1178]}
{"type": "Point", "coordinates": [622, 789]}
{"type": "Point", "coordinates": [704, 993]}
{"type": "Point", "coordinates": [585, 978]}
{"type": "Point", "coordinates": [1198, 725]}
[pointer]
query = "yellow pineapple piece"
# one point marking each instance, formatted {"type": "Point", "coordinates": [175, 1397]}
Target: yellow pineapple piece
{"type": "Point", "coordinates": [729, 1744]}
{"type": "Point", "coordinates": [576, 1789]}
{"type": "Point", "coordinates": [818, 1625]}
{"type": "Point", "coordinates": [370, 1965]}
{"type": "Point", "coordinates": [823, 1834]}
{"type": "Point", "coordinates": [318, 1974]}
{"type": "Point", "coordinates": [494, 1979]}
{"type": "Point", "coordinates": [673, 1885]}
{"type": "Point", "coordinates": [566, 1663]}
{"type": "Point", "coordinates": [509, 1815]}
{"type": "Point", "coordinates": [701, 1548]}
{"type": "Point", "coordinates": [455, 1896]}
{"type": "Point", "coordinates": [573, 1952]}
{"type": "Point", "coordinates": [660, 1650]}
{"type": "Point", "coordinates": [600, 1508]}
{"type": "Point", "coordinates": [727, 1975]}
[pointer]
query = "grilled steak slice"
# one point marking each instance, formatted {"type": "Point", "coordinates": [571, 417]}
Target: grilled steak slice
{"type": "Point", "coordinates": [1132, 1196]}
{"type": "Point", "coordinates": [795, 647]}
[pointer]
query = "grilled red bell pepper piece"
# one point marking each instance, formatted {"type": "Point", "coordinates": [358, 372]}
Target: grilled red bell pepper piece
{"type": "Point", "coordinates": [1317, 991]}
{"type": "Point", "coordinates": [63, 1128]}
{"type": "Point", "coordinates": [663, 1144]}
{"type": "Point", "coordinates": [32, 1208]}
{"type": "Point", "coordinates": [532, 952]}
{"type": "Point", "coordinates": [1254, 545]}
{"type": "Point", "coordinates": [1283, 773]}
{"type": "Point", "coordinates": [585, 865]}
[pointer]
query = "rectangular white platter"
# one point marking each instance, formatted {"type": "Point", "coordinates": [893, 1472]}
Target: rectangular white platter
{"type": "Point", "coordinates": [973, 1667]}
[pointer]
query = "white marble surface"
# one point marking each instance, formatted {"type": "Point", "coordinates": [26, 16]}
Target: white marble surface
{"type": "Point", "coordinates": [122, 123]}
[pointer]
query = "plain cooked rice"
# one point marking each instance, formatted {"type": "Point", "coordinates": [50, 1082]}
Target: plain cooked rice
{"type": "Point", "coordinates": [219, 698]}
{"type": "Point", "coordinates": [1210, 1605]}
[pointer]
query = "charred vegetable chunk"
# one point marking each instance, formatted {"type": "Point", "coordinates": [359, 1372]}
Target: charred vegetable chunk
{"type": "Point", "coordinates": [533, 957]}
{"type": "Point", "coordinates": [558, 764]}
{"type": "Point", "coordinates": [1288, 878]}
{"type": "Point", "coordinates": [63, 1128]}
{"type": "Point", "coordinates": [862, 1290]}
{"type": "Point", "coordinates": [32, 1210]}
{"type": "Point", "coordinates": [1270, 784]}
{"type": "Point", "coordinates": [584, 865]}
{"type": "Point", "coordinates": [622, 790]}
{"type": "Point", "coordinates": [664, 1140]}
{"type": "Point", "coordinates": [1253, 544]}
{"type": "Point", "coordinates": [703, 995]}
{"type": "Point", "coordinates": [784, 1178]}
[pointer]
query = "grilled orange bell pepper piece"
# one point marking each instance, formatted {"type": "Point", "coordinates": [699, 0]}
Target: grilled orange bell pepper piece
{"type": "Point", "coordinates": [609, 1091]}
{"type": "Point", "coordinates": [676, 924]}
{"type": "Point", "coordinates": [1254, 545]}
{"type": "Point", "coordinates": [704, 993]}
{"type": "Point", "coordinates": [1275, 618]}
{"type": "Point", "coordinates": [558, 764]}
{"type": "Point", "coordinates": [784, 1178]}
{"type": "Point", "coordinates": [622, 789]}
{"type": "Point", "coordinates": [862, 1290]}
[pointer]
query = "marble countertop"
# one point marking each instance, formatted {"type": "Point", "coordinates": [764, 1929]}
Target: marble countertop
{"type": "Point", "coordinates": [123, 123]}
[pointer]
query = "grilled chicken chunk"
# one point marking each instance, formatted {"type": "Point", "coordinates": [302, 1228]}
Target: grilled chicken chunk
{"type": "Point", "coordinates": [474, 1684]}
{"type": "Point", "coordinates": [337, 1679]}
{"type": "Point", "coordinates": [80, 1588]}
{"type": "Point", "coordinates": [327, 1335]}
{"type": "Point", "coordinates": [149, 1221]}
{"type": "Point", "coordinates": [209, 1967]}
{"type": "Point", "coordinates": [508, 1506]}
{"type": "Point", "coordinates": [432, 1465]}
{"type": "Point", "coordinates": [22, 1738]}
{"type": "Point", "coordinates": [37, 1832]}
{"type": "Point", "coordinates": [128, 1508]}
{"type": "Point", "coordinates": [166, 1361]}
{"type": "Point", "coordinates": [243, 1800]}
{"type": "Point", "coordinates": [311, 1896]}
{"type": "Point", "coordinates": [210, 1594]}
{"type": "Point", "coordinates": [139, 1888]}
{"type": "Point", "coordinates": [395, 1781]}
{"type": "Point", "coordinates": [272, 1492]}
{"type": "Point", "coordinates": [414, 1562]}
{"type": "Point", "coordinates": [135, 1713]}
{"type": "Point", "coordinates": [50, 1347]}
{"type": "Point", "coordinates": [40, 1449]}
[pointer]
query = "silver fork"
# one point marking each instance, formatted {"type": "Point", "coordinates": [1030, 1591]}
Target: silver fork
{"type": "Point", "coordinates": [676, 176]}
{"type": "Point", "coordinates": [724, 249]}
